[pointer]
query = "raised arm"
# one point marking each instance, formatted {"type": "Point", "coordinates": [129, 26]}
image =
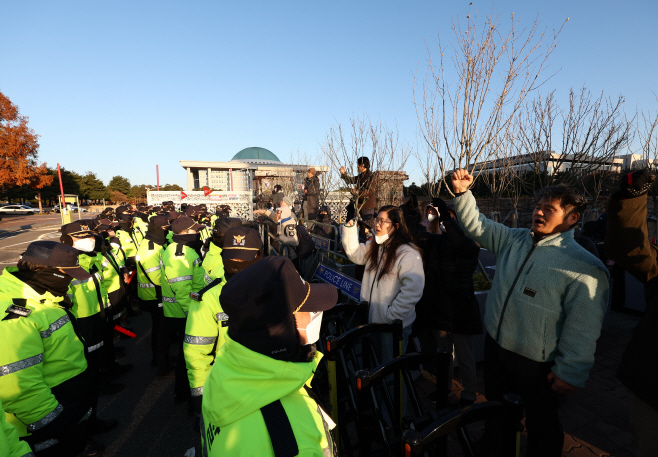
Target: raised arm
{"type": "Point", "coordinates": [489, 234]}
{"type": "Point", "coordinates": [355, 251]}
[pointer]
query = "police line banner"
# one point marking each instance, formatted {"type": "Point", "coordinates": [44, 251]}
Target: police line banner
{"type": "Point", "coordinates": [349, 286]}
{"type": "Point", "coordinates": [321, 243]}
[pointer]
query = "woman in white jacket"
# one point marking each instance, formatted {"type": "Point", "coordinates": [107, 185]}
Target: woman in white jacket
{"type": "Point", "coordinates": [393, 281]}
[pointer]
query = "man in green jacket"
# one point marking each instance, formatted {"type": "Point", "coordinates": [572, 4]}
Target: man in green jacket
{"type": "Point", "coordinates": [207, 322]}
{"type": "Point", "coordinates": [45, 386]}
{"type": "Point", "coordinates": [149, 288]}
{"type": "Point", "coordinates": [182, 274]}
{"type": "Point", "coordinates": [256, 401]}
{"type": "Point", "coordinates": [544, 310]}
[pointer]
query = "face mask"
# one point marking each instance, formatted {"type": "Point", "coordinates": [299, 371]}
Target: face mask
{"type": "Point", "coordinates": [85, 244]}
{"type": "Point", "coordinates": [380, 239]}
{"type": "Point", "coordinates": [431, 217]}
{"type": "Point", "coordinates": [313, 328]}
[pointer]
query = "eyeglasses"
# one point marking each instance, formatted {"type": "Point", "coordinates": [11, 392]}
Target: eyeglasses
{"type": "Point", "coordinates": [379, 221]}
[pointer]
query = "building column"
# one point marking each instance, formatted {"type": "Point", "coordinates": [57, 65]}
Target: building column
{"type": "Point", "coordinates": [190, 179]}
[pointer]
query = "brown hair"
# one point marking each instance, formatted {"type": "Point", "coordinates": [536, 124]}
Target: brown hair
{"type": "Point", "coordinates": [400, 236]}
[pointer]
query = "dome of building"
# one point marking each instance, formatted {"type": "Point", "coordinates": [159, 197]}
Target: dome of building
{"type": "Point", "coordinates": [255, 155]}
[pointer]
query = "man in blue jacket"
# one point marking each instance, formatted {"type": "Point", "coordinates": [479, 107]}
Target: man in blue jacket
{"type": "Point", "coordinates": [544, 311]}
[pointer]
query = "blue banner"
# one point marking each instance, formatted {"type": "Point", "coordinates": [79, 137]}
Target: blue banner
{"type": "Point", "coordinates": [350, 286]}
{"type": "Point", "coordinates": [321, 243]}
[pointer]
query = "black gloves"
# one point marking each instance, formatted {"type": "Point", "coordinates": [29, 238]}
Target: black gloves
{"type": "Point", "coordinates": [635, 184]}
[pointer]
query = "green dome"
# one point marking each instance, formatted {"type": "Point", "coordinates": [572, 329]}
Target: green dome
{"type": "Point", "coordinates": [255, 153]}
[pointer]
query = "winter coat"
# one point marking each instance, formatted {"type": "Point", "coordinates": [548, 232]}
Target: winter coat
{"type": "Point", "coordinates": [206, 324]}
{"type": "Point", "coordinates": [448, 301]}
{"type": "Point", "coordinates": [394, 296]}
{"type": "Point", "coordinates": [42, 360]}
{"type": "Point", "coordinates": [10, 445]}
{"type": "Point", "coordinates": [242, 382]}
{"type": "Point", "coordinates": [180, 275]}
{"type": "Point", "coordinates": [365, 189]}
{"type": "Point", "coordinates": [548, 297]}
{"type": "Point", "coordinates": [627, 243]}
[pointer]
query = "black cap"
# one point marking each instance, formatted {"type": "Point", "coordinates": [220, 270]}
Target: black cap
{"type": "Point", "coordinates": [261, 301]}
{"type": "Point", "coordinates": [58, 255]}
{"type": "Point", "coordinates": [161, 222]}
{"type": "Point", "coordinates": [103, 225]}
{"type": "Point", "coordinates": [241, 243]}
{"type": "Point", "coordinates": [77, 227]}
{"type": "Point", "coordinates": [185, 223]}
{"type": "Point", "coordinates": [173, 215]}
{"type": "Point", "coordinates": [223, 224]}
{"type": "Point", "coordinates": [191, 211]}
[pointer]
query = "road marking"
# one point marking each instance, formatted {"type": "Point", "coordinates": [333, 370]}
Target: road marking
{"type": "Point", "coordinates": [25, 242]}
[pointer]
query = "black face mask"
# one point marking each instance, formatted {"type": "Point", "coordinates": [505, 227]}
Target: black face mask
{"type": "Point", "coordinates": [46, 280]}
{"type": "Point", "coordinates": [232, 267]}
{"type": "Point", "coordinates": [305, 354]}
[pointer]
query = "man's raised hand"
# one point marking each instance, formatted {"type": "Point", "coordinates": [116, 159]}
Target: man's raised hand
{"type": "Point", "coordinates": [342, 170]}
{"type": "Point", "coordinates": [461, 181]}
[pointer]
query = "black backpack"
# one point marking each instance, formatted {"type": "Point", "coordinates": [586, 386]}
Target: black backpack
{"type": "Point", "coordinates": [306, 245]}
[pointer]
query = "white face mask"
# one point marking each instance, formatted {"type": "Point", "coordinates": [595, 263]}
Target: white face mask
{"type": "Point", "coordinates": [313, 328]}
{"type": "Point", "coordinates": [380, 239]}
{"type": "Point", "coordinates": [85, 244]}
{"type": "Point", "coordinates": [431, 217]}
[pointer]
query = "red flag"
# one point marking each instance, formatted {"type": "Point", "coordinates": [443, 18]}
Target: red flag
{"type": "Point", "coordinates": [182, 195]}
{"type": "Point", "coordinates": [206, 191]}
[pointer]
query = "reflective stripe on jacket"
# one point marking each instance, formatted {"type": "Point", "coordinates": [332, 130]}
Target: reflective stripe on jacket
{"type": "Point", "coordinates": [149, 259]}
{"type": "Point", "coordinates": [182, 274]}
{"type": "Point", "coordinates": [39, 351]}
{"type": "Point", "coordinates": [206, 325]}
{"type": "Point", "coordinates": [86, 306]}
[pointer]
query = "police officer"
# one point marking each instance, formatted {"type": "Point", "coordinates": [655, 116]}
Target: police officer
{"type": "Point", "coordinates": [183, 274]}
{"type": "Point", "coordinates": [90, 307]}
{"type": "Point", "coordinates": [149, 287]}
{"type": "Point", "coordinates": [206, 321]}
{"type": "Point", "coordinates": [256, 387]}
{"type": "Point", "coordinates": [45, 386]}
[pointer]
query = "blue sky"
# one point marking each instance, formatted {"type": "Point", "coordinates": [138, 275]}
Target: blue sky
{"type": "Point", "coordinates": [117, 87]}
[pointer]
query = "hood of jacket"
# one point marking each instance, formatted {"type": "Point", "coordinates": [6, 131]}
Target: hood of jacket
{"type": "Point", "coordinates": [12, 287]}
{"type": "Point", "coordinates": [243, 381]}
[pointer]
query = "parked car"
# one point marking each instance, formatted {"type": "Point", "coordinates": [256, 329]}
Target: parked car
{"type": "Point", "coordinates": [72, 208]}
{"type": "Point", "coordinates": [16, 209]}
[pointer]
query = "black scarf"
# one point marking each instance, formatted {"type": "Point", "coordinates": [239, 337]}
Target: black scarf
{"type": "Point", "coordinates": [232, 267]}
{"type": "Point", "coordinates": [191, 240]}
{"type": "Point", "coordinates": [45, 280]}
{"type": "Point", "coordinates": [158, 237]}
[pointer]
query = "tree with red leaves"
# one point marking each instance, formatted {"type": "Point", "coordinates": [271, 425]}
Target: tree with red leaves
{"type": "Point", "coordinates": [19, 146]}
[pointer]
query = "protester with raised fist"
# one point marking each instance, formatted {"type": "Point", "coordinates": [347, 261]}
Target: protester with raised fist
{"type": "Point", "coordinates": [627, 243]}
{"type": "Point", "coordinates": [544, 311]}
